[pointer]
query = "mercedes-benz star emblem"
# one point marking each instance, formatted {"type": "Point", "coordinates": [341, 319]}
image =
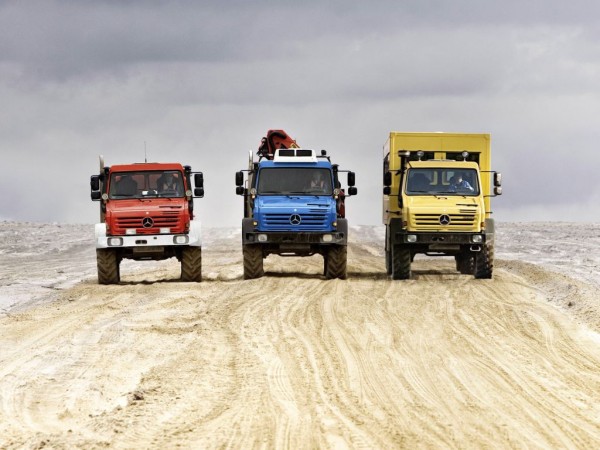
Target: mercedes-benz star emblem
{"type": "Point", "coordinates": [295, 219]}
{"type": "Point", "coordinates": [444, 219]}
{"type": "Point", "coordinates": [147, 222]}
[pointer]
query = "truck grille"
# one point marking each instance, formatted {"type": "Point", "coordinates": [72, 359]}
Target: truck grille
{"type": "Point", "coordinates": [308, 221]}
{"type": "Point", "coordinates": [463, 220]}
{"type": "Point", "coordinates": [165, 220]}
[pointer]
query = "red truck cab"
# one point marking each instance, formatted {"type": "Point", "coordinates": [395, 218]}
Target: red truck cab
{"type": "Point", "coordinates": [147, 213]}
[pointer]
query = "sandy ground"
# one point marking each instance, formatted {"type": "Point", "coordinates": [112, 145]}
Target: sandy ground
{"type": "Point", "coordinates": [292, 360]}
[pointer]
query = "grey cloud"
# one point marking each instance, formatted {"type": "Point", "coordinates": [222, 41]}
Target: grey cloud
{"type": "Point", "coordinates": [201, 82]}
{"type": "Point", "coordinates": [63, 39]}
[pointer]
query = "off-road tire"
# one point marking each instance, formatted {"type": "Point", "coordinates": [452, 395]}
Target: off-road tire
{"type": "Point", "coordinates": [191, 264]}
{"type": "Point", "coordinates": [253, 261]}
{"type": "Point", "coordinates": [465, 263]}
{"type": "Point", "coordinates": [108, 266]}
{"type": "Point", "coordinates": [401, 259]}
{"type": "Point", "coordinates": [337, 257]}
{"type": "Point", "coordinates": [388, 254]}
{"type": "Point", "coordinates": [484, 262]}
{"type": "Point", "coordinates": [388, 262]}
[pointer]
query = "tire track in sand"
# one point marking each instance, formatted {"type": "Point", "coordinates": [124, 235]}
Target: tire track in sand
{"type": "Point", "coordinates": [295, 361]}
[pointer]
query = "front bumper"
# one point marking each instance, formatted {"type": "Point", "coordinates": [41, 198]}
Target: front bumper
{"type": "Point", "coordinates": [439, 243]}
{"type": "Point", "coordinates": [407, 237]}
{"type": "Point", "coordinates": [282, 238]}
{"type": "Point", "coordinates": [149, 241]}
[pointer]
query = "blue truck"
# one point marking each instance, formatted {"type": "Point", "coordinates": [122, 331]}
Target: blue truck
{"type": "Point", "coordinates": [294, 205]}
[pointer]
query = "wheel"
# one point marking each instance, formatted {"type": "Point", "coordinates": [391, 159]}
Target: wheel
{"type": "Point", "coordinates": [388, 262]}
{"type": "Point", "coordinates": [401, 259]}
{"type": "Point", "coordinates": [325, 263]}
{"type": "Point", "coordinates": [484, 262]}
{"type": "Point", "coordinates": [388, 254]}
{"type": "Point", "coordinates": [253, 261]}
{"type": "Point", "coordinates": [337, 257]}
{"type": "Point", "coordinates": [465, 263]}
{"type": "Point", "coordinates": [191, 264]}
{"type": "Point", "coordinates": [108, 266]}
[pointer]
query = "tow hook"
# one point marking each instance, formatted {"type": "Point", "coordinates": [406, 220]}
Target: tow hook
{"type": "Point", "coordinates": [475, 248]}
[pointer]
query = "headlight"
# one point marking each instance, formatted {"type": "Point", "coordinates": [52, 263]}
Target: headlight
{"type": "Point", "coordinates": [477, 238]}
{"type": "Point", "coordinates": [411, 238]}
{"type": "Point", "coordinates": [115, 242]}
{"type": "Point", "coordinates": [262, 238]}
{"type": "Point", "coordinates": [327, 238]}
{"type": "Point", "coordinates": [180, 239]}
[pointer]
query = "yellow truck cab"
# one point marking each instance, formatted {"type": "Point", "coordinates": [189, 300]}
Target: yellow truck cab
{"type": "Point", "coordinates": [437, 191]}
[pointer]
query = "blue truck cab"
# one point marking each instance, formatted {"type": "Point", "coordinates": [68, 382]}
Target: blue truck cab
{"type": "Point", "coordinates": [294, 206]}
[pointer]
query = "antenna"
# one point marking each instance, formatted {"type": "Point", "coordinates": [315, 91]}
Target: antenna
{"type": "Point", "coordinates": [145, 154]}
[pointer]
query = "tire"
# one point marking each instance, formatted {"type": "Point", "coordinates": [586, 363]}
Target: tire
{"type": "Point", "coordinates": [484, 262]}
{"type": "Point", "coordinates": [388, 262]}
{"type": "Point", "coordinates": [388, 254]}
{"type": "Point", "coordinates": [253, 261]}
{"type": "Point", "coordinates": [191, 264]}
{"type": "Point", "coordinates": [401, 259]}
{"type": "Point", "coordinates": [108, 266]}
{"type": "Point", "coordinates": [465, 263]}
{"type": "Point", "coordinates": [337, 257]}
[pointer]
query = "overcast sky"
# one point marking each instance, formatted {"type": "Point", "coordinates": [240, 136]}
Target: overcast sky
{"type": "Point", "coordinates": [201, 82]}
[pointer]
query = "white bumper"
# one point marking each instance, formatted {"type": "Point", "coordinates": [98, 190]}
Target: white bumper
{"type": "Point", "coordinates": [192, 239]}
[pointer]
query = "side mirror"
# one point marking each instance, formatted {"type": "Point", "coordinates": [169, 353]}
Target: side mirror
{"type": "Point", "coordinates": [498, 190]}
{"type": "Point", "coordinates": [199, 181]}
{"type": "Point", "coordinates": [96, 195]}
{"type": "Point", "coordinates": [199, 192]}
{"type": "Point", "coordinates": [387, 190]}
{"type": "Point", "coordinates": [239, 190]}
{"type": "Point", "coordinates": [351, 179]}
{"type": "Point", "coordinates": [95, 182]}
{"type": "Point", "coordinates": [497, 179]}
{"type": "Point", "coordinates": [352, 190]}
{"type": "Point", "coordinates": [387, 179]}
{"type": "Point", "coordinates": [239, 178]}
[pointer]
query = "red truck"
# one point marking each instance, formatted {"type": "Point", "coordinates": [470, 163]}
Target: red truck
{"type": "Point", "coordinates": [147, 213]}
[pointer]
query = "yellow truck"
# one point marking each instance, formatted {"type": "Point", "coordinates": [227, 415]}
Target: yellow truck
{"type": "Point", "coordinates": [436, 200]}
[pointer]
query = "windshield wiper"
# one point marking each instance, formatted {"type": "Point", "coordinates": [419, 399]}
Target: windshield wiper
{"type": "Point", "coordinates": [122, 196]}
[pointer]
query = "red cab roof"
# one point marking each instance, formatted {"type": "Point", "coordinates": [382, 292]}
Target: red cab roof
{"type": "Point", "coordinates": [145, 166]}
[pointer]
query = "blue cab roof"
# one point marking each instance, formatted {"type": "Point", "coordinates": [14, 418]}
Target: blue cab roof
{"type": "Point", "coordinates": [322, 164]}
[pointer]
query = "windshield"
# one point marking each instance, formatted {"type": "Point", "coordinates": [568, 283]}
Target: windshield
{"type": "Point", "coordinates": [168, 183]}
{"type": "Point", "coordinates": [294, 180]}
{"type": "Point", "coordinates": [447, 181]}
